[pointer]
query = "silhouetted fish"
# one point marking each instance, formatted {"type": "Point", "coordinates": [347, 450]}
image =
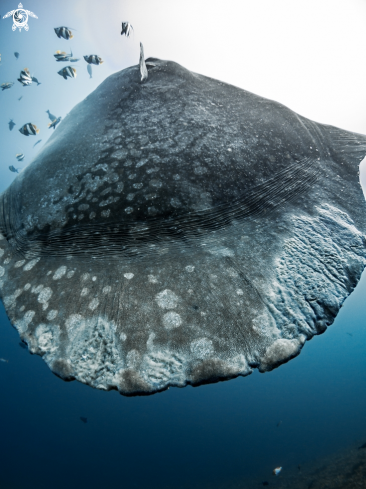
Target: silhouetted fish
{"type": "Point", "coordinates": [20, 98]}
{"type": "Point", "coordinates": [11, 124]}
{"type": "Point", "coordinates": [265, 483]}
{"type": "Point", "coordinates": [51, 116]}
{"type": "Point", "coordinates": [62, 56]}
{"type": "Point", "coordinates": [362, 446]}
{"type": "Point", "coordinates": [279, 424]}
{"type": "Point", "coordinates": [22, 345]}
{"type": "Point", "coordinates": [6, 86]}
{"type": "Point", "coordinates": [350, 334]}
{"type": "Point", "coordinates": [54, 123]}
{"type": "Point", "coordinates": [90, 71]}
{"type": "Point", "coordinates": [13, 169]}
{"type": "Point", "coordinates": [35, 80]}
{"type": "Point", "coordinates": [35, 144]}
{"type": "Point", "coordinates": [84, 420]}
{"type": "Point", "coordinates": [16, 55]}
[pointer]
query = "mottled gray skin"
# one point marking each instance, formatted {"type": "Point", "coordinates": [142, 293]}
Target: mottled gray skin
{"type": "Point", "coordinates": [180, 231]}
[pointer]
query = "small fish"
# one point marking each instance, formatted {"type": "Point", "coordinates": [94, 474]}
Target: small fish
{"type": "Point", "coordinates": [362, 446]}
{"type": "Point", "coordinates": [14, 170]}
{"type": "Point", "coordinates": [350, 334]}
{"type": "Point", "coordinates": [3, 360]}
{"type": "Point", "coordinates": [11, 124]}
{"type": "Point", "coordinates": [51, 116]}
{"type": "Point", "coordinates": [277, 470]}
{"type": "Point", "coordinates": [35, 144]}
{"type": "Point", "coordinates": [34, 79]}
{"type": "Point", "coordinates": [16, 55]}
{"type": "Point", "coordinates": [64, 32]}
{"type": "Point", "coordinates": [19, 156]}
{"type": "Point", "coordinates": [54, 123]}
{"type": "Point", "coordinates": [22, 345]}
{"type": "Point", "coordinates": [126, 29]}
{"type": "Point", "coordinates": [93, 59]}
{"type": "Point", "coordinates": [279, 424]}
{"type": "Point", "coordinates": [20, 98]}
{"type": "Point", "coordinates": [62, 56]}
{"type": "Point", "coordinates": [6, 86]}
{"type": "Point", "coordinates": [90, 71]}
{"type": "Point", "coordinates": [143, 69]}
{"type": "Point", "coordinates": [25, 78]}
{"type": "Point", "coordinates": [265, 483]}
{"type": "Point", "coordinates": [29, 129]}
{"type": "Point", "coordinates": [84, 420]}
{"type": "Point", "coordinates": [68, 72]}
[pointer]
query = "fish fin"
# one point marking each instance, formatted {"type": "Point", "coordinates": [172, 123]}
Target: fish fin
{"type": "Point", "coordinates": [101, 62]}
{"type": "Point", "coordinates": [71, 36]}
{"type": "Point", "coordinates": [37, 131]}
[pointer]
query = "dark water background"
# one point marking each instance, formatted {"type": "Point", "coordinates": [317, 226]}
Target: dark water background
{"type": "Point", "coordinates": [183, 438]}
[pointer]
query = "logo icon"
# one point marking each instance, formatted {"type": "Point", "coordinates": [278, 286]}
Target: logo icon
{"type": "Point", "coordinates": [20, 18]}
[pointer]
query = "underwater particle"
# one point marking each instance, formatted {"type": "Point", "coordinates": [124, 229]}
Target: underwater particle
{"type": "Point", "coordinates": [63, 32]}
{"type": "Point", "coordinates": [4, 360]}
{"type": "Point", "coordinates": [54, 123]}
{"type": "Point", "coordinates": [90, 71]}
{"type": "Point", "coordinates": [25, 77]}
{"type": "Point", "coordinates": [6, 86]}
{"type": "Point", "coordinates": [126, 29]}
{"type": "Point", "coordinates": [84, 420]}
{"type": "Point", "coordinates": [13, 169]}
{"type": "Point", "coordinates": [20, 98]}
{"type": "Point", "coordinates": [93, 59]}
{"type": "Point", "coordinates": [11, 124]}
{"type": "Point", "coordinates": [68, 72]}
{"type": "Point", "coordinates": [29, 129]}
{"type": "Point", "coordinates": [279, 424]}
{"type": "Point", "coordinates": [193, 326]}
{"type": "Point", "coordinates": [277, 470]}
{"type": "Point", "coordinates": [143, 69]}
{"type": "Point", "coordinates": [19, 156]}
{"type": "Point", "coordinates": [35, 144]}
{"type": "Point", "coordinates": [16, 54]}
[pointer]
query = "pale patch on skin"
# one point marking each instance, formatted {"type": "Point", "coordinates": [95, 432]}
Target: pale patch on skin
{"type": "Point", "coordinates": [92, 215]}
{"type": "Point", "coordinates": [93, 304]}
{"type": "Point", "coordinates": [2, 271]}
{"type": "Point", "coordinates": [70, 274]}
{"type": "Point", "coordinates": [84, 292]}
{"type": "Point", "coordinates": [1, 252]}
{"type": "Point", "coordinates": [22, 309]}
{"type": "Point", "coordinates": [167, 299]}
{"type": "Point", "coordinates": [31, 264]}
{"type": "Point", "coordinates": [85, 276]}
{"type": "Point", "coordinates": [52, 315]}
{"type": "Point", "coordinates": [7, 260]}
{"type": "Point", "coordinates": [27, 286]}
{"type": "Point", "coordinates": [19, 263]}
{"type": "Point", "coordinates": [128, 275]}
{"type": "Point", "coordinates": [202, 347]}
{"type": "Point", "coordinates": [189, 268]}
{"type": "Point", "coordinates": [22, 324]}
{"type": "Point", "coordinates": [106, 289]}
{"type": "Point", "coordinates": [105, 213]}
{"type": "Point", "coordinates": [128, 210]}
{"type": "Point", "coordinates": [94, 279]}
{"type": "Point", "coordinates": [172, 320]}
{"type": "Point", "coordinates": [45, 295]}
{"type": "Point", "coordinates": [59, 273]}
{"type": "Point", "coordinates": [152, 279]}
{"type": "Point", "coordinates": [123, 337]}
{"type": "Point", "coordinates": [239, 292]}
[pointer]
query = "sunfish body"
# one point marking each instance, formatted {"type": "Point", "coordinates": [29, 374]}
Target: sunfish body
{"type": "Point", "coordinates": [180, 231]}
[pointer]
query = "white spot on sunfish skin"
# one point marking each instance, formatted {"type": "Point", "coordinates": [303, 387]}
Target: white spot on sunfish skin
{"type": "Point", "coordinates": [202, 347]}
{"type": "Point", "coordinates": [221, 251]}
{"type": "Point", "coordinates": [128, 210]}
{"type": "Point", "coordinates": [84, 291]}
{"type": "Point", "coordinates": [22, 324]}
{"type": "Point", "coordinates": [2, 271]}
{"type": "Point", "coordinates": [31, 264]}
{"type": "Point", "coordinates": [7, 260]}
{"type": "Point", "coordinates": [1, 252]}
{"type": "Point", "coordinates": [85, 276]}
{"type": "Point", "coordinates": [167, 299]}
{"type": "Point", "coordinates": [152, 279]}
{"type": "Point", "coordinates": [128, 275]}
{"type": "Point", "coordinates": [94, 279]}
{"type": "Point", "coordinates": [132, 358]}
{"type": "Point", "coordinates": [27, 286]}
{"type": "Point", "coordinates": [70, 273]}
{"type": "Point", "coordinates": [106, 289]}
{"type": "Point", "coordinates": [172, 320]}
{"type": "Point", "coordinates": [83, 207]}
{"type": "Point", "coordinates": [22, 309]}
{"type": "Point", "coordinates": [189, 268]}
{"type": "Point", "coordinates": [92, 215]}
{"type": "Point", "coordinates": [45, 295]}
{"type": "Point", "coordinates": [60, 272]}
{"type": "Point", "coordinates": [19, 263]}
{"type": "Point", "coordinates": [93, 304]}
{"type": "Point", "coordinates": [52, 315]}
{"type": "Point", "coordinates": [105, 213]}
{"type": "Point", "coordinates": [239, 292]}
{"type": "Point", "coordinates": [123, 337]}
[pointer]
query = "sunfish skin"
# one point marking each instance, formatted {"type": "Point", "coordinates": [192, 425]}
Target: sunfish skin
{"type": "Point", "coordinates": [180, 231]}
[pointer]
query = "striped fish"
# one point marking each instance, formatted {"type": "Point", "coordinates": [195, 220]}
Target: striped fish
{"type": "Point", "coordinates": [29, 129]}
{"type": "Point", "coordinates": [19, 156]}
{"type": "Point", "coordinates": [25, 78]}
{"type": "Point", "coordinates": [93, 59]}
{"type": "Point", "coordinates": [126, 29]}
{"type": "Point", "coordinates": [54, 123]}
{"type": "Point", "coordinates": [64, 32]}
{"type": "Point", "coordinates": [68, 71]}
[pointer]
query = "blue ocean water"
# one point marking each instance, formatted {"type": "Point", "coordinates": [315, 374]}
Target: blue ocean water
{"type": "Point", "coordinates": [202, 437]}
